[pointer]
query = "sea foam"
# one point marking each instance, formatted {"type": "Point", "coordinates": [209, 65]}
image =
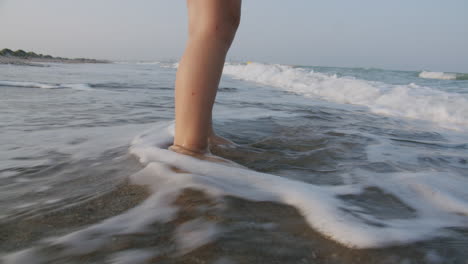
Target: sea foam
{"type": "Point", "coordinates": [449, 110]}
{"type": "Point", "coordinates": [437, 203]}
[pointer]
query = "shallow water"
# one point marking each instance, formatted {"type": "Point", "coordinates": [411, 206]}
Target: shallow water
{"type": "Point", "coordinates": [341, 166]}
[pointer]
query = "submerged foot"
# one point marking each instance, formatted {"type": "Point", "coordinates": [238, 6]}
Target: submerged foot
{"type": "Point", "coordinates": [203, 155]}
{"type": "Point", "coordinates": [186, 151]}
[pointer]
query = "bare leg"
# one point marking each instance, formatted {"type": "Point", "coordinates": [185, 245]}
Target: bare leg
{"type": "Point", "coordinates": [212, 27]}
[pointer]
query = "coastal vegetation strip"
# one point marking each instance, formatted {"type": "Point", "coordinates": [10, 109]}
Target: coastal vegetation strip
{"type": "Point", "coordinates": [21, 57]}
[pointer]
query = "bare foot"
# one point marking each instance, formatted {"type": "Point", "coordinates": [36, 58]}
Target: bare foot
{"type": "Point", "coordinates": [205, 155]}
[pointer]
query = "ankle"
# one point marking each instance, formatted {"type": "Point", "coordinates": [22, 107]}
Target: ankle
{"type": "Point", "coordinates": [189, 150]}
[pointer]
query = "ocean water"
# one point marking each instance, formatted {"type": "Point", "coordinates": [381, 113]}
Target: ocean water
{"type": "Point", "coordinates": [330, 165]}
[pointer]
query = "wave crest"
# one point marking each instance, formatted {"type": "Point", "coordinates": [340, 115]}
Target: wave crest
{"type": "Point", "coordinates": [449, 110]}
{"type": "Point", "coordinates": [75, 86]}
{"type": "Point", "coordinates": [438, 75]}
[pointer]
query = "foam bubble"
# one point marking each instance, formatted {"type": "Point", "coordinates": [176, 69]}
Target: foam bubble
{"type": "Point", "coordinates": [448, 110]}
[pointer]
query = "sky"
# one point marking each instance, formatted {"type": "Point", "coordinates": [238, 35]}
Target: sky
{"type": "Point", "coordinates": [397, 34]}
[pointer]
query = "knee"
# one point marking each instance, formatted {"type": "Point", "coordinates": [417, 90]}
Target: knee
{"type": "Point", "coordinates": [219, 28]}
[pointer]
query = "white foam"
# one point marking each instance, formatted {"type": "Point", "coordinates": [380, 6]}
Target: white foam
{"type": "Point", "coordinates": [75, 86]}
{"type": "Point", "coordinates": [28, 85]}
{"type": "Point", "coordinates": [320, 205]}
{"type": "Point", "coordinates": [437, 75]}
{"type": "Point", "coordinates": [449, 110]}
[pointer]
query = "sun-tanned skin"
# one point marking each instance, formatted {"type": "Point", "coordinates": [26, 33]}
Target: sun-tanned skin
{"type": "Point", "coordinates": [212, 27]}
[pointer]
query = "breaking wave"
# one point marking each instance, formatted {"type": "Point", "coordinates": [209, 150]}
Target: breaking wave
{"type": "Point", "coordinates": [448, 110]}
{"type": "Point", "coordinates": [443, 75]}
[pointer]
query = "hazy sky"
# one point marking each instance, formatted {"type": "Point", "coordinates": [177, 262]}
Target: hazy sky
{"type": "Point", "coordinates": [396, 34]}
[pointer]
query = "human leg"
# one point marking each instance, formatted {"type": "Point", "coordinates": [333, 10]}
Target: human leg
{"type": "Point", "coordinates": [212, 27]}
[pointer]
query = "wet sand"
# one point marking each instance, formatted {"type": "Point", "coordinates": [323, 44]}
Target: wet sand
{"type": "Point", "coordinates": [247, 232]}
{"type": "Point", "coordinates": [16, 235]}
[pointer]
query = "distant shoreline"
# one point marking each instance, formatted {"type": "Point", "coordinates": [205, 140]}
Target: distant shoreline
{"type": "Point", "coordinates": [23, 58]}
